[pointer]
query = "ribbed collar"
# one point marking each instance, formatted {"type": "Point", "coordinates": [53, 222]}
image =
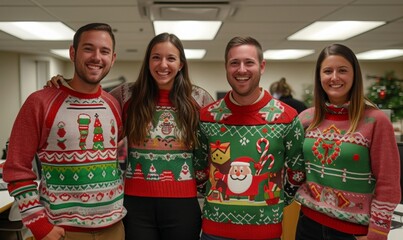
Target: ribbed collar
{"type": "Point", "coordinates": [263, 100]}
{"type": "Point", "coordinates": [74, 93]}
{"type": "Point", "coordinates": [163, 98]}
{"type": "Point", "coordinates": [337, 112]}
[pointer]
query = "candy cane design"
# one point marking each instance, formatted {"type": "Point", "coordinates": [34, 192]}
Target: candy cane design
{"type": "Point", "coordinates": [264, 156]}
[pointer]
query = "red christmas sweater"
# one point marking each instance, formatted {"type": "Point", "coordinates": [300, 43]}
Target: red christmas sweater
{"type": "Point", "coordinates": [255, 165]}
{"type": "Point", "coordinates": [75, 137]}
{"type": "Point", "coordinates": [352, 178]}
{"type": "Point", "coordinates": [163, 166]}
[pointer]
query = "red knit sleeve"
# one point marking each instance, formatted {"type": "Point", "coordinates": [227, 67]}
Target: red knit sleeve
{"type": "Point", "coordinates": [25, 140]}
{"type": "Point", "coordinates": [385, 164]}
{"type": "Point", "coordinates": [32, 212]}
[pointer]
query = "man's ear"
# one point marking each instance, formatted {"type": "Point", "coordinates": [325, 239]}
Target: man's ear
{"type": "Point", "coordinates": [72, 53]}
{"type": "Point", "coordinates": [113, 58]}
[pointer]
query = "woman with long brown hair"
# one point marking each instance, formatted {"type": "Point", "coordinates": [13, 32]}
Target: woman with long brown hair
{"type": "Point", "coordinates": [351, 157]}
{"type": "Point", "coordinates": [161, 122]}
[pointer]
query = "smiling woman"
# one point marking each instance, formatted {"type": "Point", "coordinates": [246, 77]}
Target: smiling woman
{"type": "Point", "coordinates": [162, 174]}
{"type": "Point", "coordinates": [349, 145]}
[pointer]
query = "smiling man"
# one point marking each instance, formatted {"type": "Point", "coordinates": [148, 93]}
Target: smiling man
{"type": "Point", "coordinates": [73, 130]}
{"type": "Point", "coordinates": [255, 152]}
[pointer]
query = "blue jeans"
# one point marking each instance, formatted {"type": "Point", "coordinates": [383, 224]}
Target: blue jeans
{"type": "Point", "coordinates": [308, 229]}
{"type": "Point", "coordinates": [205, 236]}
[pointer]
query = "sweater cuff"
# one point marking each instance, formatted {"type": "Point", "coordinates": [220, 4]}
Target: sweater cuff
{"type": "Point", "coordinates": [40, 228]}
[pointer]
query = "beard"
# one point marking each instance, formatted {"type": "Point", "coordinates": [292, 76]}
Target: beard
{"type": "Point", "coordinates": [86, 78]}
{"type": "Point", "coordinates": [239, 184]}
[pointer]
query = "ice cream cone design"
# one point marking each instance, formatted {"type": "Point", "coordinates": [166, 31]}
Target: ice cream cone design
{"type": "Point", "coordinates": [83, 121]}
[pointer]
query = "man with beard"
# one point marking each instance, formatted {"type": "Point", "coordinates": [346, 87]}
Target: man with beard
{"type": "Point", "coordinates": [248, 127]}
{"type": "Point", "coordinates": [74, 130]}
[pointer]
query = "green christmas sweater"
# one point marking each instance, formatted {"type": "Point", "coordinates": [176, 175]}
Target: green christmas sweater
{"type": "Point", "coordinates": [352, 178]}
{"type": "Point", "coordinates": [255, 166]}
{"type": "Point", "coordinates": [163, 166]}
{"type": "Point", "coordinates": [75, 136]}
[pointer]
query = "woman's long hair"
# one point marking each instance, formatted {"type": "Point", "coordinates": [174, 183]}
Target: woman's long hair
{"type": "Point", "coordinates": [357, 98]}
{"type": "Point", "coordinates": [145, 93]}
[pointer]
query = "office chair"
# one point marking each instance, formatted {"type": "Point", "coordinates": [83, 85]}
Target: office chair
{"type": "Point", "coordinates": [11, 226]}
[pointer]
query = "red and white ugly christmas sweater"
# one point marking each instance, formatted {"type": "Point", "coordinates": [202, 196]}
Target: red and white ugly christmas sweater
{"type": "Point", "coordinates": [75, 136]}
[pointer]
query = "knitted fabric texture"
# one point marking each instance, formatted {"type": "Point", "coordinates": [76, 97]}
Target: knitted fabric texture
{"type": "Point", "coordinates": [351, 176]}
{"type": "Point", "coordinates": [163, 166]}
{"type": "Point", "coordinates": [256, 165]}
{"type": "Point", "coordinates": [75, 136]}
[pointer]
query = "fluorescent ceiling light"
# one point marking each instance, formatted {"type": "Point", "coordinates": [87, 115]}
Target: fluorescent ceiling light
{"type": "Point", "coordinates": [61, 52]}
{"type": "Point", "coordinates": [195, 53]}
{"type": "Point", "coordinates": [380, 54]}
{"type": "Point", "coordinates": [189, 30]}
{"type": "Point", "coordinates": [334, 30]}
{"type": "Point", "coordinates": [286, 54]}
{"type": "Point", "coordinates": [51, 31]}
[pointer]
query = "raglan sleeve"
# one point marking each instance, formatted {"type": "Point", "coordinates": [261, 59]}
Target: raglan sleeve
{"type": "Point", "coordinates": [294, 160]}
{"type": "Point", "coordinates": [25, 140]}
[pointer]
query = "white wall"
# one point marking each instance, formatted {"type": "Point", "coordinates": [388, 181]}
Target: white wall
{"type": "Point", "coordinates": [18, 80]}
{"type": "Point", "coordinates": [209, 75]}
{"type": "Point", "coordinates": [29, 81]}
{"type": "Point", "coordinates": [9, 94]}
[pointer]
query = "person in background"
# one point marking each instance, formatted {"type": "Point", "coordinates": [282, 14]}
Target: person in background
{"type": "Point", "coordinates": [161, 114]}
{"type": "Point", "coordinates": [74, 130]}
{"type": "Point", "coordinates": [352, 160]}
{"type": "Point", "coordinates": [282, 91]}
{"type": "Point", "coordinates": [255, 152]}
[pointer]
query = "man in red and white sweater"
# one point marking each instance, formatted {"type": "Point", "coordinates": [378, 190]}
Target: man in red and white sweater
{"type": "Point", "coordinates": [74, 130]}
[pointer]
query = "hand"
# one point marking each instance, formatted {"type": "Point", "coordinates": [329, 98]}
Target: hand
{"type": "Point", "coordinates": [57, 233]}
{"type": "Point", "coordinates": [54, 81]}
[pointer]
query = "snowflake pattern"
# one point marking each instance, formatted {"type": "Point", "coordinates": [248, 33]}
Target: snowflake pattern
{"type": "Point", "coordinates": [297, 133]}
{"type": "Point", "coordinates": [288, 145]}
{"type": "Point", "coordinates": [244, 141]}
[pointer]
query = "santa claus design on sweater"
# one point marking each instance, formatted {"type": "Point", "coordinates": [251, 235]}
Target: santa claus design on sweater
{"type": "Point", "coordinates": [240, 180]}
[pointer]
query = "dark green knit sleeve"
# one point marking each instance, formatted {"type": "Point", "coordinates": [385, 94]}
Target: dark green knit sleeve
{"type": "Point", "coordinates": [294, 160]}
{"type": "Point", "coordinates": [200, 162]}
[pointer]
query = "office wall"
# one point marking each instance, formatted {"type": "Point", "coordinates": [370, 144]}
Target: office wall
{"type": "Point", "coordinates": [209, 75]}
{"type": "Point", "coordinates": [9, 93]}
{"type": "Point", "coordinates": [18, 79]}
